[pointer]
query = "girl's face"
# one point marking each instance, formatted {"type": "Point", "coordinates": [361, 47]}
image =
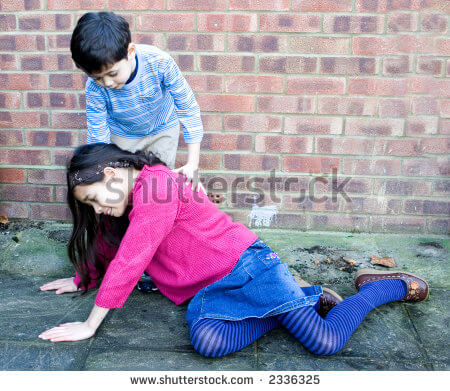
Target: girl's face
{"type": "Point", "coordinates": [109, 196]}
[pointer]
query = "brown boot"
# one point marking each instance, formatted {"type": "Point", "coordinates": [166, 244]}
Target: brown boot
{"type": "Point", "coordinates": [328, 299]}
{"type": "Point", "coordinates": [416, 287]}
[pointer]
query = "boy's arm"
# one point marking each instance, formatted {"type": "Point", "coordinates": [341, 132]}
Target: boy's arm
{"type": "Point", "coordinates": [97, 127]}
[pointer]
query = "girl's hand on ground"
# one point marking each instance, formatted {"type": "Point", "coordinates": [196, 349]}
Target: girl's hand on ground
{"type": "Point", "coordinates": [191, 174]}
{"type": "Point", "coordinates": [62, 285]}
{"type": "Point", "coordinates": [75, 331]}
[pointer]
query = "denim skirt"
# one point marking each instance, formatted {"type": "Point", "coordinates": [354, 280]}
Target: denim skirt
{"type": "Point", "coordinates": [259, 286]}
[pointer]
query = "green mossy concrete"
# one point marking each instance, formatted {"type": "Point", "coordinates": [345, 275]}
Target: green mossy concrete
{"type": "Point", "coordinates": [150, 332]}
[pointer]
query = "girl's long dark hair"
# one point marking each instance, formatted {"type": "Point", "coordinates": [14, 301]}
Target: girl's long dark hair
{"type": "Point", "coordinates": [86, 167]}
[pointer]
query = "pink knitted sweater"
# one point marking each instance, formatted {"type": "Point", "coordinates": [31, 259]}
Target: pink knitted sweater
{"type": "Point", "coordinates": [178, 236]}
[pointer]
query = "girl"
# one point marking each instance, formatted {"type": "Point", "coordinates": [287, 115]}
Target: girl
{"type": "Point", "coordinates": [239, 288]}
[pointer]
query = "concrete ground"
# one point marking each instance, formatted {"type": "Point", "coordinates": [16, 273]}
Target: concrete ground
{"type": "Point", "coordinates": [150, 332]}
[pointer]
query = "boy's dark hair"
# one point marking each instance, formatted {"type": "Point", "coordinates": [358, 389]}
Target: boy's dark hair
{"type": "Point", "coordinates": [99, 40]}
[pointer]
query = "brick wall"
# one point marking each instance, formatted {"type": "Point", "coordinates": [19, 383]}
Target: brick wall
{"type": "Point", "coordinates": [299, 96]}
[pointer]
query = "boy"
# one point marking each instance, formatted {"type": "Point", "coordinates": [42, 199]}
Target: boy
{"type": "Point", "coordinates": [135, 94]}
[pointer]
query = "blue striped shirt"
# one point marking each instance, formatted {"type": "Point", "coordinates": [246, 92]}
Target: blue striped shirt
{"type": "Point", "coordinates": [154, 101]}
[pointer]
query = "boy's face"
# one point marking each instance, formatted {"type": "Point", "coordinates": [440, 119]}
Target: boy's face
{"type": "Point", "coordinates": [116, 75]}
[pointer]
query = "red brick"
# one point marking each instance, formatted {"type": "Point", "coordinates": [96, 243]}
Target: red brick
{"type": "Point", "coordinates": [396, 65]}
{"type": "Point", "coordinates": [11, 137]}
{"type": "Point", "coordinates": [60, 42]}
{"type": "Point", "coordinates": [425, 105]}
{"type": "Point", "coordinates": [227, 103]}
{"type": "Point", "coordinates": [45, 22]}
{"type": "Point", "coordinates": [429, 65]}
{"type": "Point", "coordinates": [50, 211]}
{"type": "Point", "coordinates": [156, 39]}
{"type": "Point", "coordinates": [75, 4]}
{"type": "Point", "coordinates": [63, 81]}
{"type": "Point", "coordinates": [312, 125]}
{"type": "Point", "coordinates": [47, 177]}
{"type": "Point", "coordinates": [51, 100]}
{"type": "Point", "coordinates": [433, 22]}
{"type": "Point", "coordinates": [421, 126]}
{"type": "Point", "coordinates": [27, 81]}
{"type": "Point", "coordinates": [445, 108]}
{"type": "Point", "coordinates": [52, 138]}
{"type": "Point", "coordinates": [255, 84]}
{"type": "Point", "coordinates": [25, 156]}
{"type": "Point", "coordinates": [439, 88]}
{"type": "Point", "coordinates": [252, 162]}
{"type": "Point", "coordinates": [253, 123]}
{"type": "Point", "coordinates": [436, 145]}
{"type": "Point", "coordinates": [400, 187]}
{"type": "Point", "coordinates": [257, 43]}
{"type": "Point", "coordinates": [68, 120]}
{"type": "Point", "coordinates": [423, 167]}
{"type": "Point", "coordinates": [338, 222]}
{"type": "Point", "coordinates": [205, 83]}
{"type": "Point", "coordinates": [283, 144]}
{"type": "Point", "coordinates": [319, 45]}
{"type": "Point", "coordinates": [315, 85]}
{"type": "Point", "coordinates": [225, 64]}
{"type": "Point", "coordinates": [373, 205]}
{"type": "Point", "coordinates": [138, 5]}
{"type": "Point", "coordinates": [226, 142]}
{"type": "Point", "coordinates": [374, 127]}
{"type": "Point", "coordinates": [377, 86]}
{"type": "Point", "coordinates": [21, 5]}
{"type": "Point", "coordinates": [28, 43]}
{"type": "Point", "coordinates": [23, 119]}
{"type": "Point", "coordinates": [289, 23]}
{"type": "Point", "coordinates": [444, 127]}
{"type": "Point", "coordinates": [442, 188]}
{"type": "Point", "coordinates": [318, 203]}
{"type": "Point", "coordinates": [310, 164]}
{"type": "Point", "coordinates": [10, 100]}
{"type": "Point", "coordinates": [401, 22]}
{"type": "Point", "coordinates": [400, 224]}
{"type": "Point", "coordinates": [439, 226]}
{"type": "Point", "coordinates": [62, 156]}
{"type": "Point", "coordinates": [227, 22]}
{"type": "Point", "coordinates": [212, 122]}
{"type": "Point", "coordinates": [7, 22]}
{"type": "Point", "coordinates": [8, 62]}
{"type": "Point", "coordinates": [359, 166]}
{"type": "Point", "coordinates": [391, 5]}
{"type": "Point", "coordinates": [348, 65]}
{"type": "Point", "coordinates": [322, 5]}
{"type": "Point", "coordinates": [399, 147]}
{"type": "Point", "coordinates": [343, 146]}
{"type": "Point", "coordinates": [427, 207]}
{"type": "Point", "coordinates": [353, 24]}
{"type": "Point", "coordinates": [260, 5]}
{"type": "Point", "coordinates": [12, 175]}
{"type": "Point", "coordinates": [184, 61]}
{"type": "Point", "coordinates": [16, 210]}
{"type": "Point", "coordinates": [287, 64]}
{"type": "Point", "coordinates": [26, 193]}
{"type": "Point", "coordinates": [285, 104]}
{"type": "Point", "coordinates": [394, 107]}
{"type": "Point", "coordinates": [61, 193]}
{"type": "Point", "coordinates": [346, 105]}
{"type": "Point", "coordinates": [196, 42]}
{"type": "Point", "coordinates": [166, 22]}
{"type": "Point", "coordinates": [197, 5]}
{"type": "Point", "coordinates": [392, 45]}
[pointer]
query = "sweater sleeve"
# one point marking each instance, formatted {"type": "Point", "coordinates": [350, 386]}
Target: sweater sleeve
{"type": "Point", "coordinates": [96, 113]}
{"type": "Point", "coordinates": [155, 207]}
{"type": "Point", "coordinates": [186, 106]}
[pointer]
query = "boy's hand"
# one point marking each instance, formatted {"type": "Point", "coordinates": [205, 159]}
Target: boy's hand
{"type": "Point", "coordinates": [75, 331]}
{"type": "Point", "coordinates": [62, 285]}
{"type": "Point", "coordinates": [191, 174]}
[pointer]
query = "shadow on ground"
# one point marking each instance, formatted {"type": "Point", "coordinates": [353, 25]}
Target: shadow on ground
{"type": "Point", "coordinates": [150, 332]}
